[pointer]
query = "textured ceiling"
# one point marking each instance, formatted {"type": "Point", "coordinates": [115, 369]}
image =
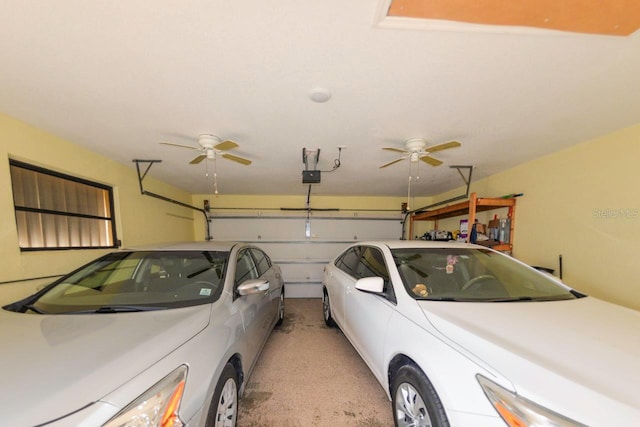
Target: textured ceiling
{"type": "Point", "coordinates": [119, 77]}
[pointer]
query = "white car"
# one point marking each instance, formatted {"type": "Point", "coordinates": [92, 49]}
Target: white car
{"type": "Point", "coordinates": [163, 336]}
{"type": "Point", "coordinates": [461, 335]}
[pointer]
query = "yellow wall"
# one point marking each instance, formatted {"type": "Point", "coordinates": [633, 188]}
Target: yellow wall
{"type": "Point", "coordinates": [582, 203]}
{"type": "Point", "coordinates": [139, 219]}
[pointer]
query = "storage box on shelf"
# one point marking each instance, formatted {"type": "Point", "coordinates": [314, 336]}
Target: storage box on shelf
{"type": "Point", "coordinates": [470, 207]}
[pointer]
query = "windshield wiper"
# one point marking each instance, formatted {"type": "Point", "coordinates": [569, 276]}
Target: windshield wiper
{"type": "Point", "coordinates": [34, 309]}
{"type": "Point", "coordinates": [457, 299]}
{"type": "Point", "coordinates": [535, 299]}
{"type": "Point", "coordinates": [515, 299]}
{"type": "Point", "coordinates": [117, 309]}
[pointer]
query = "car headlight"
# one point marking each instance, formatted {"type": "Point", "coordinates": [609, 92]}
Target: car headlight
{"type": "Point", "coordinates": [158, 406]}
{"type": "Point", "coordinates": [517, 411]}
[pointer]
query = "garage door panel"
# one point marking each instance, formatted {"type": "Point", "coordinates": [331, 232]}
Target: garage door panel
{"type": "Point", "coordinates": [302, 272]}
{"type": "Point", "coordinates": [295, 250]}
{"type": "Point", "coordinates": [301, 245]}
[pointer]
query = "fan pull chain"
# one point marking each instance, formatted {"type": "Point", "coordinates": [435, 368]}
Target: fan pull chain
{"type": "Point", "coordinates": [215, 177]}
{"type": "Point", "coordinates": [409, 189]}
{"type": "Point", "coordinates": [409, 194]}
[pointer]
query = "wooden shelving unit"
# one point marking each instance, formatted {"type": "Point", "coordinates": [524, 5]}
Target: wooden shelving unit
{"type": "Point", "coordinates": [470, 207]}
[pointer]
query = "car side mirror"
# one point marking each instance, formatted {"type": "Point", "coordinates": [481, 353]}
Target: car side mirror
{"type": "Point", "coordinates": [253, 286]}
{"type": "Point", "coordinates": [370, 284]}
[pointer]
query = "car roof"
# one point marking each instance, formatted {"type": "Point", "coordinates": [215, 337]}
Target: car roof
{"type": "Point", "coordinates": [211, 245]}
{"type": "Point", "coordinates": [401, 244]}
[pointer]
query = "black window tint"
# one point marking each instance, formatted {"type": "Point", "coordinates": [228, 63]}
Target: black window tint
{"type": "Point", "coordinates": [349, 261]}
{"type": "Point", "coordinates": [262, 261]}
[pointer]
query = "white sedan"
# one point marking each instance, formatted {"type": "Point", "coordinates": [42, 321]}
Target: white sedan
{"type": "Point", "coordinates": [461, 335]}
{"type": "Point", "coordinates": [164, 336]}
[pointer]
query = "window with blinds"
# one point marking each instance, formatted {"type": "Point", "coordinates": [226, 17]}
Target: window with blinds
{"type": "Point", "coordinates": [58, 211]}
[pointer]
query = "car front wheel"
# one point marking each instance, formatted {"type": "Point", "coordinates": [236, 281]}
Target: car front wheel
{"type": "Point", "coordinates": [224, 406]}
{"type": "Point", "coordinates": [326, 309]}
{"type": "Point", "coordinates": [414, 400]}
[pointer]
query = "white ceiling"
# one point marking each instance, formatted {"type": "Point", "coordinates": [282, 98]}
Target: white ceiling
{"type": "Point", "coordinates": [119, 76]}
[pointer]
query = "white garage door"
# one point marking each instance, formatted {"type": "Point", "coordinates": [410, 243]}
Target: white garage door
{"type": "Point", "coordinates": [301, 245]}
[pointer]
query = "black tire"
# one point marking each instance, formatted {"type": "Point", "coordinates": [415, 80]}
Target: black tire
{"type": "Point", "coordinates": [414, 401]}
{"type": "Point", "coordinates": [281, 308]}
{"type": "Point", "coordinates": [224, 405]}
{"type": "Point", "coordinates": [326, 309]}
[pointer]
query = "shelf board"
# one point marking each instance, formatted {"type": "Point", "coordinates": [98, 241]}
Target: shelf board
{"type": "Point", "coordinates": [462, 208]}
{"type": "Point", "coordinates": [502, 247]}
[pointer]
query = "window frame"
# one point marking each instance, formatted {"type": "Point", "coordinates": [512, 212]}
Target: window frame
{"type": "Point", "coordinates": [44, 171]}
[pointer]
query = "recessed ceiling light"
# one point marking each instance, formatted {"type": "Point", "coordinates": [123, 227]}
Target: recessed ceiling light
{"type": "Point", "coordinates": [320, 95]}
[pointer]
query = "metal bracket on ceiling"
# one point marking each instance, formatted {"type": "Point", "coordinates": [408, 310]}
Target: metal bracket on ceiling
{"type": "Point", "coordinates": [166, 199]}
{"type": "Point", "coordinates": [467, 180]}
{"type": "Point", "coordinates": [312, 156]}
{"type": "Point", "coordinates": [141, 177]}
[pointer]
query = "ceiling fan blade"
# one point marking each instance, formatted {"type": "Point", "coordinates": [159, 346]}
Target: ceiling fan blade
{"type": "Point", "coordinates": [392, 162]}
{"type": "Point", "coordinates": [180, 145]}
{"type": "Point", "coordinates": [446, 145]}
{"type": "Point", "coordinates": [198, 159]}
{"type": "Point", "coordinates": [431, 160]}
{"type": "Point", "coordinates": [226, 145]}
{"type": "Point", "coordinates": [237, 159]}
{"type": "Point", "coordinates": [397, 150]}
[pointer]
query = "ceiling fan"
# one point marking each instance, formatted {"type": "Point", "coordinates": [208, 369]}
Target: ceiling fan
{"type": "Point", "coordinates": [210, 147]}
{"type": "Point", "coordinates": [416, 149]}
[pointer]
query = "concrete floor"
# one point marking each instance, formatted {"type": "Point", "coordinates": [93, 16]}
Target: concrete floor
{"type": "Point", "coordinates": [310, 375]}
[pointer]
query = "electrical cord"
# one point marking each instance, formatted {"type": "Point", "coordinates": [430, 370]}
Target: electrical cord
{"type": "Point", "coordinates": [336, 162]}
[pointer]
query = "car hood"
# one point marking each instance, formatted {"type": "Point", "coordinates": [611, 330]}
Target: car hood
{"type": "Point", "coordinates": [574, 356]}
{"type": "Point", "coordinates": [56, 364]}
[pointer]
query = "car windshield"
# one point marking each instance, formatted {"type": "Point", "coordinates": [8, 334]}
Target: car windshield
{"type": "Point", "coordinates": [466, 274]}
{"type": "Point", "coordinates": [137, 281]}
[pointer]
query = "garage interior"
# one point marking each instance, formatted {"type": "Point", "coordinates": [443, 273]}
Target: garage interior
{"type": "Point", "coordinates": [295, 128]}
